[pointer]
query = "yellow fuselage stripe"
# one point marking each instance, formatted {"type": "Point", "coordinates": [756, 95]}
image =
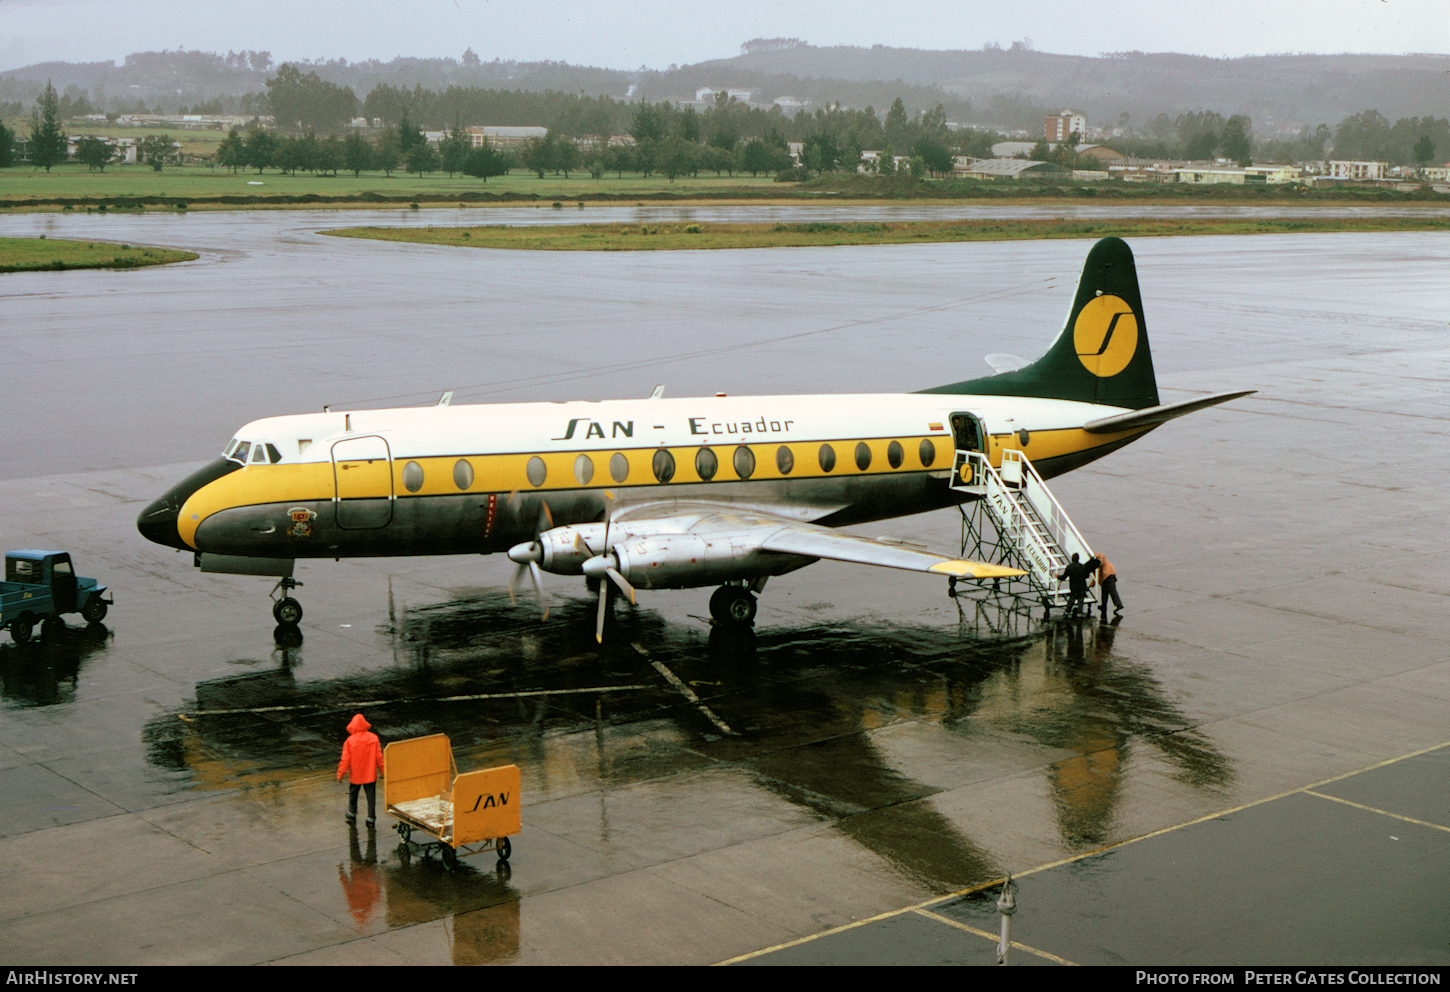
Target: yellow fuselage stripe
{"type": "Point", "coordinates": [307, 482]}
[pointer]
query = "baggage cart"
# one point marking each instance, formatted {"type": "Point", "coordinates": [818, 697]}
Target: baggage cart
{"type": "Point", "coordinates": [469, 813]}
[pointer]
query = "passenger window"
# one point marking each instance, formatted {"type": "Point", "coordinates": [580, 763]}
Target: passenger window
{"type": "Point", "coordinates": [784, 460]}
{"type": "Point", "coordinates": [412, 477]}
{"type": "Point", "coordinates": [273, 455]}
{"type": "Point", "coordinates": [744, 462]}
{"type": "Point", "coordinates": [863, 455]}
{"type": "Point", "coordinates": [462, 473]}
{"type": "Point", "coordinates": [537, 471]}
{"type": "Point", "coordinates": [583, 469]}
{"type": "Point", "coordinates": [927, 452]}
{"type": "Point", "coordinates": [894, 454]}
{"type": "Point", "coordinates": [664, 465]}
{"type": "Point", "coordinates": [618, 467]}
{"type": "Point", "coordinates": [706, 464]}
{"type": "Point", "coordinates": [828, 458]}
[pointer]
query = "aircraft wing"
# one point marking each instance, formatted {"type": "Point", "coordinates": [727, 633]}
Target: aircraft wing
{"type": "Point", "coordinates": [755, 529]}
{"type": "Point", "coordinates": [819, 542]}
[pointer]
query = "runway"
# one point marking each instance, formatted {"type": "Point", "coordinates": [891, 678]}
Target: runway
{"type": "Point", "coordinates": [1173, 789]}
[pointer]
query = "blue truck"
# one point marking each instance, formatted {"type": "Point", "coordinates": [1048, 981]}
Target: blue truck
{"type": "Point", "coordinates": [42, 585]}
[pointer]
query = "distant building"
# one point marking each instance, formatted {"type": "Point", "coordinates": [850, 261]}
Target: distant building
{"type": "Point", "coordinates": [1007, 168]}
{"type": "Point", "coordinates": [791, 104]}
{"type": "Point", "coordinates": [1059, 126]}
{"type": "Point", "coordinates": [706, 94]}
{"type": "Point", "coordinates": [1357, 170]}
{"type": "Point", "coordinates": [1210, 175]}
{"type": "Point", "coordinates": [503, 137]}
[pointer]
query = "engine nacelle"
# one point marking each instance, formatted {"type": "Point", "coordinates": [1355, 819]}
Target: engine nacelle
{"type": "Point", "coordinates": [565, 549]}
{"type": "Point", "coordinates": [684, 561]}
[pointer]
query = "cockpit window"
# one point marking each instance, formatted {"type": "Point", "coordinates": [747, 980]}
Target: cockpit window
{"type": "Point", "coordinates": [273, 455]}
{"type": "Point", "coordinates": [259, 454]}
{"type": "Point", "coordinates": [240, 452]}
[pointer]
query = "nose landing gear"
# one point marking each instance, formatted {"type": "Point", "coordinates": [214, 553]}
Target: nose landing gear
{"type": "Point", "coordinates": [286, 611]}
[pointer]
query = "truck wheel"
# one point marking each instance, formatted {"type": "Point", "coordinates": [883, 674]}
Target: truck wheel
{"type": "Point", "coordinates": [21, 627]}
{"type": "Point", "coordinates": [94, 611]}
{"type": "Point", "coordinates": [288, 611]}
{"type": "Point", "coordinates": [450, 856]}
{"type": "Point", "coordinates": [505, 849]}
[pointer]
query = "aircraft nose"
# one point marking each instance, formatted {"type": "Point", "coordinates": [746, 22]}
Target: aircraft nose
{"type": "Point", "coordinates": [158, 521]}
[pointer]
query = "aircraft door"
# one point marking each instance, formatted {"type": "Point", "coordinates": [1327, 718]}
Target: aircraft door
{"type": "Point", "coordinates": [967, 432]}
{"type": "Point", "coordinates": [362, 470]}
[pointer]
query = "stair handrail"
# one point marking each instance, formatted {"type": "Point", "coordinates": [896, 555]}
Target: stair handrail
{"type": "Point", "coordinates": [1059, 525]}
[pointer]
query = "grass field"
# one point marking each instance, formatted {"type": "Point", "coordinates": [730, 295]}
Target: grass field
{"type": "Point", "coordinates": [198, 184]}
{"type": "Point", "coordinates": [41, 254]}
{"type": "Point", "coordinates": [201, 187]}
{"type": "Point", "coordinates": [666, 237]}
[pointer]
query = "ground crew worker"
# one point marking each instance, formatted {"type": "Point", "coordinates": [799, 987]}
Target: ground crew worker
{"type": "Point", "coordinates": [362, 759]}
{"type": "Point", "coordinates": [1108, 579]}
{"type": "Point", "coordinates": [1076, 573]}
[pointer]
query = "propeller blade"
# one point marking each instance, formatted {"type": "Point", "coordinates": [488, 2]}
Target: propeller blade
{"type": "Point", "coordinates": [603, 609]}
{"type": "Point", "coordinates": [538, 576]}
{"type": "Point", "coordinates": [620, 581]}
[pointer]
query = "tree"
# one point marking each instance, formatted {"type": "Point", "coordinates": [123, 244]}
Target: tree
{"type": "Point", "coordinates": [453, 150]}
{"type": "Point", "coordinates": [232, 153]}
{"type": "Point", "coordinates": [485, 161]}
{"type": "Point", "coordinates": [261, 150]}
{"type": "Point", "coordinates": [409, 135]}
{"type": "Point", "coordinates": [677, 157]}
{"type": "Point", "coordinates": [650, 123]}
{"type": "Point", "coordinates": [357, 154]}
{"type": "Point", "coordinates": [308, 101]}
{"type": "Point", "coordinates": [7, 147]}
{"type": "Point", "coordinates": [1235, 142]}
{"type": "Point", "coordinates": [934, 155]}
{"type": "Point", "coordinates": [94, 152]}
{"type": "Point", "coordinates": [1424, 151]}
{"type": "Point", "coordinates": [538, 155]}
{"type": "Point", "coordinates": [422, 158]}
{"type": "Point", "coordinates": [156, 150]}
{"type": "Point", "coordinates": [47, 140]}
{"type": "Point", "coordinates": [896, 123]}
{"type": "Point", "coordinates": [387, 151]}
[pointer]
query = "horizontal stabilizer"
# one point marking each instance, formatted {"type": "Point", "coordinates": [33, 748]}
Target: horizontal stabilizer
{"type": "Point", "coordinates": [1154, 415]}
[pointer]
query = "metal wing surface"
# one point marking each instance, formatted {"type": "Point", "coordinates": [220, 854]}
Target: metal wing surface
{"type": "Point", "coordinates": [753, 529]}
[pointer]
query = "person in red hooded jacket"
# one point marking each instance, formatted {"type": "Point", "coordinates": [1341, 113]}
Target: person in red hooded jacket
{"type": "Point", "coordinates": [362, 760]}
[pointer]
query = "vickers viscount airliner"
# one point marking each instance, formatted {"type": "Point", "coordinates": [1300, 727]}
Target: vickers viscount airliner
{"type": "Point", "coordinates": [668, 493]}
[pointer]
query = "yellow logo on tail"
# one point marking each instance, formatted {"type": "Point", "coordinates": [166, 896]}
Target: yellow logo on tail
{"type": "Point", "coordinates": [1105, 335]}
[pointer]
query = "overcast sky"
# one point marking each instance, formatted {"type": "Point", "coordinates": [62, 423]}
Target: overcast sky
{"type": "Point", "coordinates": [625, 34]}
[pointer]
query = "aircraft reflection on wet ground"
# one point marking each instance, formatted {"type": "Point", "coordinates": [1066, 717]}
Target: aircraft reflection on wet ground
{"type": "Point", "coordinates": [46, 670]}
{"type": "Point", "coordinates": [799, 708]}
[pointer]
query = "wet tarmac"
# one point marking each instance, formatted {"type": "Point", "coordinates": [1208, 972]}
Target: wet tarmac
{"type": "Point", "coordinates": [1250, 767]}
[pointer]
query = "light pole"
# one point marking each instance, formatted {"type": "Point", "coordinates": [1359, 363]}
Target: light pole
{"type": "Point", "coordinates": [1006, 905]}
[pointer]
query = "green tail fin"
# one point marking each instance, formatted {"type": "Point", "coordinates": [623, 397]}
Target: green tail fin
{"type": "Point", "coordinates": [1102, 354]}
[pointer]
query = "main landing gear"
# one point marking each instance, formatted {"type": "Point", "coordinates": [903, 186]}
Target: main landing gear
{"type": "Point", "coordinates": [733, 605]}
{"type": "Point", "coordinates": [286, 611]}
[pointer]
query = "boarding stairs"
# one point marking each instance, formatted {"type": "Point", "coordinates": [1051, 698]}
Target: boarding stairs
{"type": "Point", "coordinates": [1015, 520]}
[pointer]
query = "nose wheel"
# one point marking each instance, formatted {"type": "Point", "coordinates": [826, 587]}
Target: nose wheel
{"type": "Point", "coordinates": [286, 611]}
{"type": "Point", "coordinates": [733, 605]}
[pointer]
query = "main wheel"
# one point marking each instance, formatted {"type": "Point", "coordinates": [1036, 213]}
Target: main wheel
{"type": "Point", "coordinates": [94, 611]}
{"type": "Point", "coordinates": [732, 604]}
{"type": "Point", "coordinates": [288, 611]}
{"type": "Point", "coordinates": [504, 849]}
